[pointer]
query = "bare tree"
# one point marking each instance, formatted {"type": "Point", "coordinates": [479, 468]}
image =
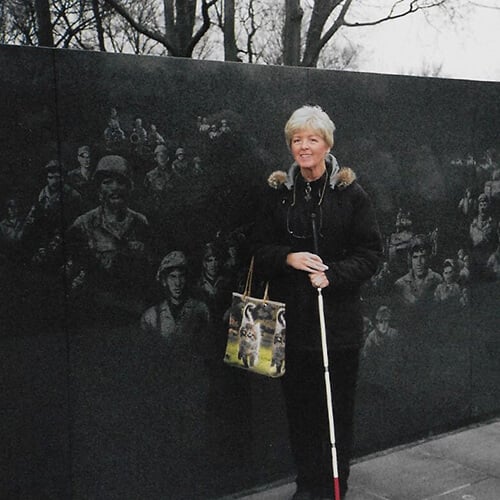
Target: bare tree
{"type": "Point", "coordinates": [291, 32]}
{"type": "Point", "coordinates": [98, 23]}
{"type": "Point", "coordinates": [251, 27]}
{"type": "Point", "coordinates": [54, 23]}
{"type": "Point", "coordinates": [73, 24]}
{"type": "Point", "coordinates": [258, 26]}
{"type": "Point", "coordinates": [313, 32]}
{"type": "Point", "coordinates": [121, 36]}
{"type": "Point", "coordinates": [340, 53]}
{"type": "Point", "coordinates": [328, 16]}
{"type": "Point", "coordinates": [26, 22]}
{"type": "Point", "coordinates": [42, 11]}
{"type": "Point", "coordinates": [19, 22]}
{"type": "Point", "coordinates": [225, 20]}
{"type": "Point", "coordinates": [3, 22]}
{"type": "Point", "coordinates": [180, 34]}
{"type": "Point", "coordinates": [230, 47]}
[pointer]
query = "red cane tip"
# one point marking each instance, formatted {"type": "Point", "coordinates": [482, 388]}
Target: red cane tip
{"type": "Point", "coordinates": [336, 488]}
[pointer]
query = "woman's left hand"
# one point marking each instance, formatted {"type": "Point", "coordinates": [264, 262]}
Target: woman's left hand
{"type": "Point", "coordinates": [319, 280]}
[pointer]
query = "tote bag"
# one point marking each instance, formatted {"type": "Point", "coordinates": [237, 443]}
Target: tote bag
{"type": "Point", "coordinates": [257, 332]}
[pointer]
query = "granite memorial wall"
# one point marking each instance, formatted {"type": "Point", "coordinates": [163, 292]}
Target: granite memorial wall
{"type": "Point", "coordinates": [113, 328]}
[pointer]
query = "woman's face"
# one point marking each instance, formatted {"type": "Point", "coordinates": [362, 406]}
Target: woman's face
{"type": "Point", "coordinates": [309, 150]}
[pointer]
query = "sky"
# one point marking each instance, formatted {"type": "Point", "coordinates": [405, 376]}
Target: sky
{"type": "Point", "coordinates": [468, 48]}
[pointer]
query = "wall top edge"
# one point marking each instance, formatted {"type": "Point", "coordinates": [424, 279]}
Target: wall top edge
{"type": "Point", "coordinates": [258, 67]}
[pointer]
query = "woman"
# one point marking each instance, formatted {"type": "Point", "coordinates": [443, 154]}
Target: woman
{"type": "Point", "coordinates": [318, 230]}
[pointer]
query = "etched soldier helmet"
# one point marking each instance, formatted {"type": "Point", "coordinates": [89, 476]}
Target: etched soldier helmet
{"type": "Point", "coordinates": [83, 150]}
{"type": "Point", "coordinates": [171, 260]}
{"type": "Point", "coordinates": [383, 313]}
{"type": "Point", "coordinates": [113, 165]}
{"type": "Point", "coordinates": [161, 148]}
{"type": "Point", "coordinates": [53, 166]}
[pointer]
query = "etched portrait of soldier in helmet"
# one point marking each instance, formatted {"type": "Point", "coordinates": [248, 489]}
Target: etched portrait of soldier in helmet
{"type": "Point", "coordinates": [57, 204]}
{"type": "Point", "coordinates": [178, 315]}
{"type": "Point", "coordinates": [180, 164]}
{"type": "Point", "coordinates": [80, 177]}
{"type": "Point", "coordinates": [382, 333]}
{"type": "Point", "coordinates": [110, 243]}
{"type": "Point", "coordinates": [179, 328]}
{"type": "Point", "coordinates": [158, 179]}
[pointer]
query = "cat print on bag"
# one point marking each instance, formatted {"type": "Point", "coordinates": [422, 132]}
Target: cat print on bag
{"type": "Point", "coordinates": [249, 337]}
{"type": "Point", "coordinates": [278, 356]}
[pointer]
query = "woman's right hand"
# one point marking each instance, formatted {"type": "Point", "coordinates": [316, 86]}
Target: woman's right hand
{"type": "Point", "coordinates": [306, 261]}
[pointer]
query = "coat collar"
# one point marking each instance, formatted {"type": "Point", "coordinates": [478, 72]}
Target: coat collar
{"type": "Point", "coordinates": [339, 177]}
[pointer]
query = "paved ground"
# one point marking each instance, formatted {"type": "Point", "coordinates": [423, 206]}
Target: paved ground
{"type": "Point", "coordinates": [462, 465]}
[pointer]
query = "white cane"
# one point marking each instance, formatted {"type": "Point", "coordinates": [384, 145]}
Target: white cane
{"type": "Point", "coordinates": [324, 349]}
{"type": "Point", "coordinates": [329, 401]}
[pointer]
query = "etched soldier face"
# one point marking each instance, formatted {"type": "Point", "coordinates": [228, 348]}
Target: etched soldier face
{"type": "Point", "coordinates": [55, 243]}
{"type": "Point", "coordinates": [12, 211]}
{"type": "Point", "coordinates": [448, 274]}
{"type": "Point", "coordinates": [175, 282]}
{"type": "Point", "coordinates": [53, 181]}
{"type": "Point", "coordinates": [113, 192]}
{"type": "Point", "coordinates": [161, 158]}
{"type": "Point", "coordinates": [211, 266]}
{"type": "Point", "coordinates": [84, 160]}
{"type": "Point", "coordinates": [382, 325]}
{"type": "Point", "coordinates": [482, 206]}
{"type": "Point", "coordinates": [419, 263]}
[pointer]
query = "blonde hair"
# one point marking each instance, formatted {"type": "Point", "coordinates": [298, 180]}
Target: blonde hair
{"type": "Point", "coordinates": [310, 117]}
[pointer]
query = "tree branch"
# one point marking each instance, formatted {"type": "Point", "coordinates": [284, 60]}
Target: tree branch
{"type": "Point", "coordinates": [205, 12]}
{"type": "Point", "coordinates": [311, 56]}
{"type": "Point", "coordinates": [412, 8]}
{"type": "Point", "coordinates": [153, 34]}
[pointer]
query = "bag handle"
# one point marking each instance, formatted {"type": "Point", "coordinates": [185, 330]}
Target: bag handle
{"type": "Point", "coordinates": [248, 284]}
{"type": "Point", "coordinates": [266, 292]}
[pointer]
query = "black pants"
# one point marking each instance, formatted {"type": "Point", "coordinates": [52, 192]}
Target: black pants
{"type": "Point", "coordinates": [305, 398]}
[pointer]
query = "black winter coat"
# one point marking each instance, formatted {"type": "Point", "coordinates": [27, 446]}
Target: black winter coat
{"type": "Point", "coordinates": [349, 243]}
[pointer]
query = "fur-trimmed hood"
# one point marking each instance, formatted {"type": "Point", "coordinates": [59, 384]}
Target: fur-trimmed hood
{"type": "Point", "coordinates": [339, 177]}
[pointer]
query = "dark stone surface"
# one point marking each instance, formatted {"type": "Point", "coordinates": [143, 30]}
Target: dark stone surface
{"type": "Point", "coordinates": [94, 406]}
